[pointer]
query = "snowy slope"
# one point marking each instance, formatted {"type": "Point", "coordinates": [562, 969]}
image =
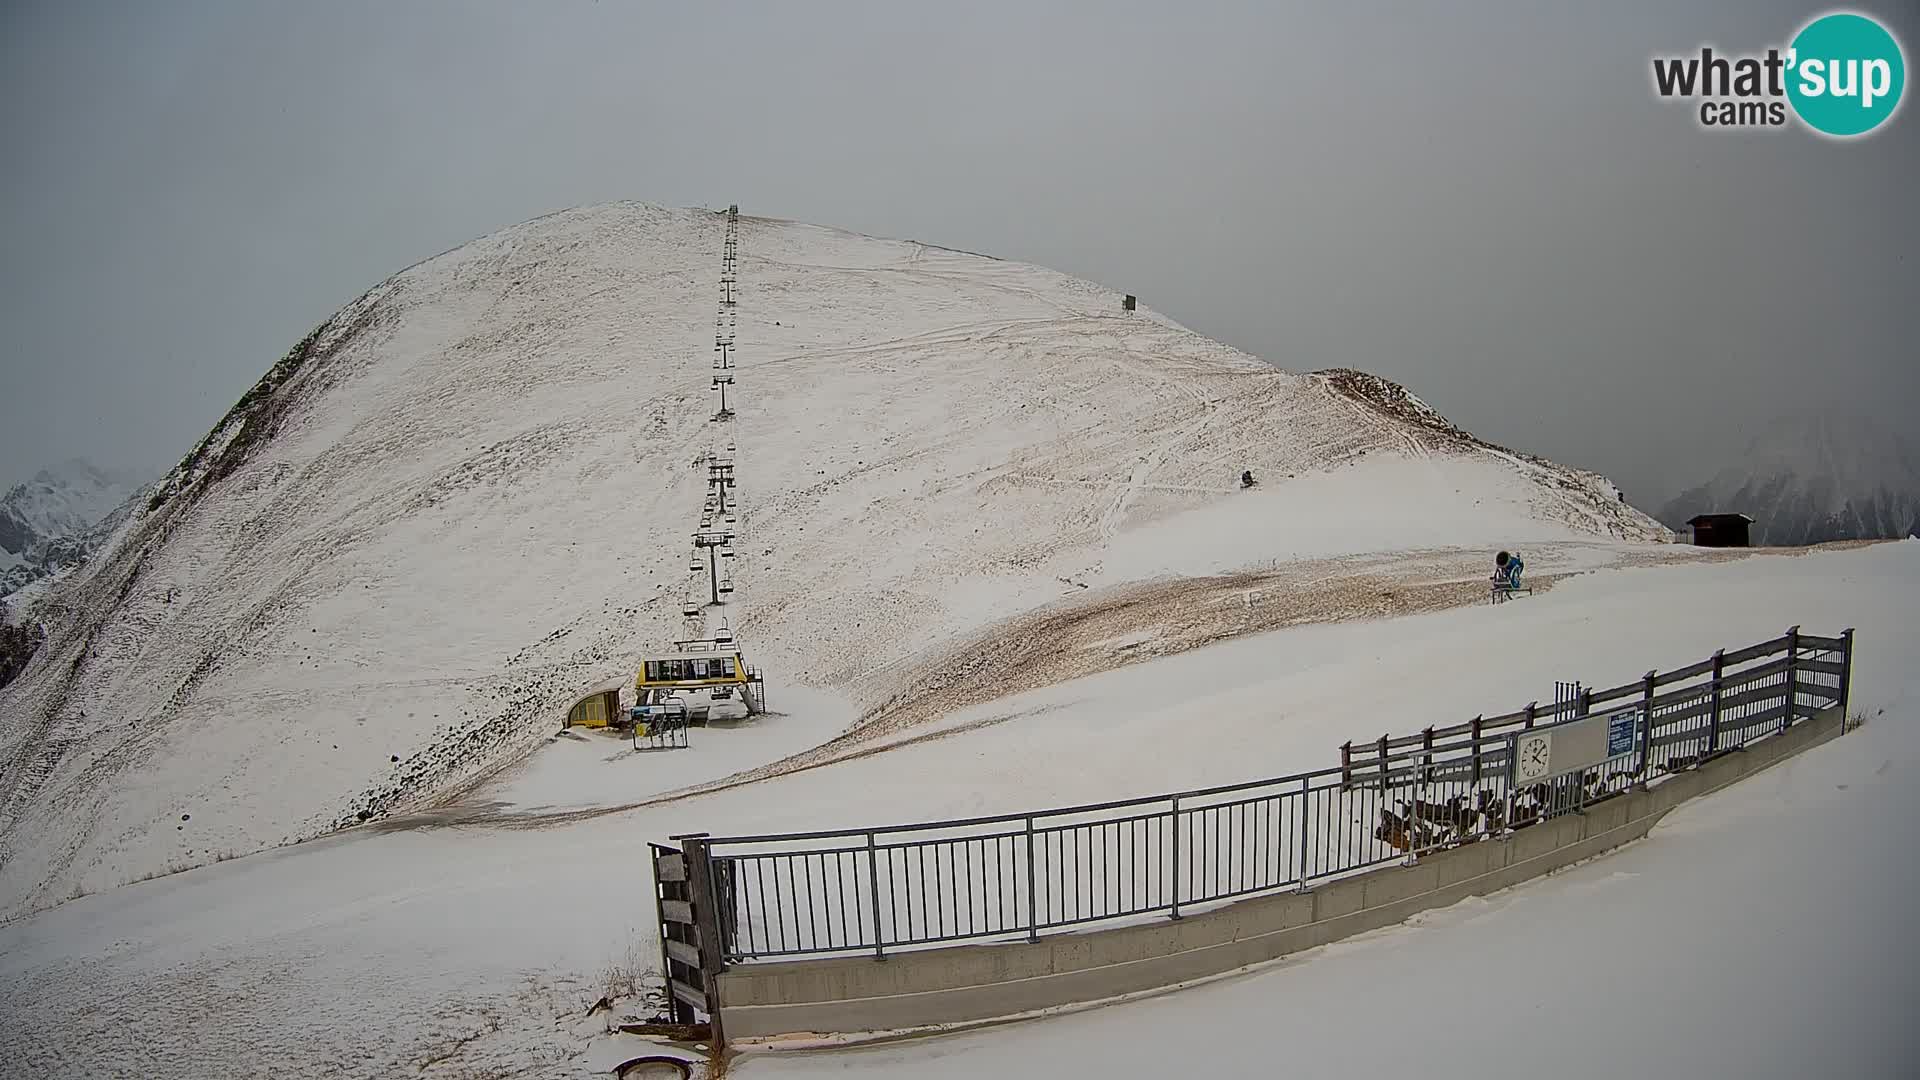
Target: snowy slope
{"type": "Point", "coordinates": [1813, 478]}
{"type": "Point", "coordinates": [475, 951]}
{"type": "Point", "coordinates": [465, 499]}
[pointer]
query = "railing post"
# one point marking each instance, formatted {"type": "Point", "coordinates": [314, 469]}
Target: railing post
{"type": "Point", "coordinates": [1426, 749]}
{"type": "Point", "coordinates": [1713, 717]}
{"type": "Point", "coordinates": [1383, 764]}
{"type": "Point", "coordinates": [706, 923]}
{"type": "Point", "coordinates": [1476, 748]}
{"type": "Point", "coordinates": [1417, 790]}
{"type": "Point", "coordinates": [1793, 685]}
{"type": "Point", "coordinates": [1646, 728]}
{"type": "Point", "coordinates": [701, 892]}
{"type": "Point", "coordinates": [1513, 759]}
{"type": "Point", "coordinates": [873, 883]}
{"type": "Point", "coordinates": [1583, 706]}
{"type": "Point", "coordinates": [1033, 904]}
{"type": "Point", "coordinates": [1846, 674]}
{"type": "Point", "coordinates": [1301, 885]}
{"type": "Point", "coordinates": [1174, 881]}
{"type": "Point", "coordinates": [1513, 776]}
{"type": "Point", "coordinates": [681, 1012]}
{"type": "Point", "coordinates": [1346, 765]}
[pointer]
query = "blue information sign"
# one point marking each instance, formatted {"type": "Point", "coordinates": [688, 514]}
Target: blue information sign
{"type": "Point", "coordinates": [1620, 732]}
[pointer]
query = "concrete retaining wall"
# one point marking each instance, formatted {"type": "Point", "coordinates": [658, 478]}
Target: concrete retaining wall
{"type": "Point", "coordinates": [981, 982]}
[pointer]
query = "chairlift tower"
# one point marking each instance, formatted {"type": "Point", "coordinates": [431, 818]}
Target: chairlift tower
{"type": "Point", "coordinates": [719, 479]}
{"type": "Point", "coordinates": [713, 540]}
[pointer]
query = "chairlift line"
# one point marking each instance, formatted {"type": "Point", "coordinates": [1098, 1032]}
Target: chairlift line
{"type": "Point", "coordinates": [702, 676]}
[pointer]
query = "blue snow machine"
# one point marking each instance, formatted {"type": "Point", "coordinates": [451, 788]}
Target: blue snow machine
{"type": "Point", "coordinates": [1507, 568]}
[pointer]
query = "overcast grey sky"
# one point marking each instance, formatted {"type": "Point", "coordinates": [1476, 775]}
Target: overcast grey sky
{"type": "Point", "coordinates": [1484, 201]}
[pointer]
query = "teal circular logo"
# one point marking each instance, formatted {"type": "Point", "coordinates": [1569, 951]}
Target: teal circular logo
{"type": "Point", "coordinates": [1845, 74]}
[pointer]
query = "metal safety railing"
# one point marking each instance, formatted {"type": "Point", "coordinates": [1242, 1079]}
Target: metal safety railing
{"type": "Point", "coordinates": [1022, 875]}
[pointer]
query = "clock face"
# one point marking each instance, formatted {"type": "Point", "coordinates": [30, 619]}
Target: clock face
{"type": "Point", "coordinates": [1533, 756]}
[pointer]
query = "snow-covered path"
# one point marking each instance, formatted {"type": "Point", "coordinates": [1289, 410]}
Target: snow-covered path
{"type": "Point", "coordinates": [371, 953]}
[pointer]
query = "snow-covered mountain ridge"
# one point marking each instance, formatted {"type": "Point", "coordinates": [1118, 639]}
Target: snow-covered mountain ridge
{"type": "Point", "coordinates": [464, 500]}
{"type": "Point", "coordinates": [50, 522]}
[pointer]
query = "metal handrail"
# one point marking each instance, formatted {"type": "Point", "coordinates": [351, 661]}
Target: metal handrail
{"type": "Point", "coordinates": [1179, 849]}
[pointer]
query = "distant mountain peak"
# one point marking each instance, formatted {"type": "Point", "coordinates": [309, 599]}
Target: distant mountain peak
{"type": "Point", "coordinates": [80, 474]}
{"type": "Point", "coordinates": [49, 522]}
{"type": "Point", "coordinates": [1815, 476]}
{"type": "Point", "coordinates": [1852, 449]}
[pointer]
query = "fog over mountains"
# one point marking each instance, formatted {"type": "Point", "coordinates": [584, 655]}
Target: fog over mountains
{"type": "Point", "coordinates": [52, 521]}
{"type": "Point", "coordinates": [1814, 478]}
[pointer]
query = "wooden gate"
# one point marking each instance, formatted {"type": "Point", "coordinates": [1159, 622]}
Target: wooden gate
{"type": "Point", "coordinates": [691, 953]}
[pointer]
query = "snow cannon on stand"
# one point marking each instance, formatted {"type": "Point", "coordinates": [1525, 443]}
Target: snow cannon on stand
{"type": "Point", "coordinates": [1506, 580]}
